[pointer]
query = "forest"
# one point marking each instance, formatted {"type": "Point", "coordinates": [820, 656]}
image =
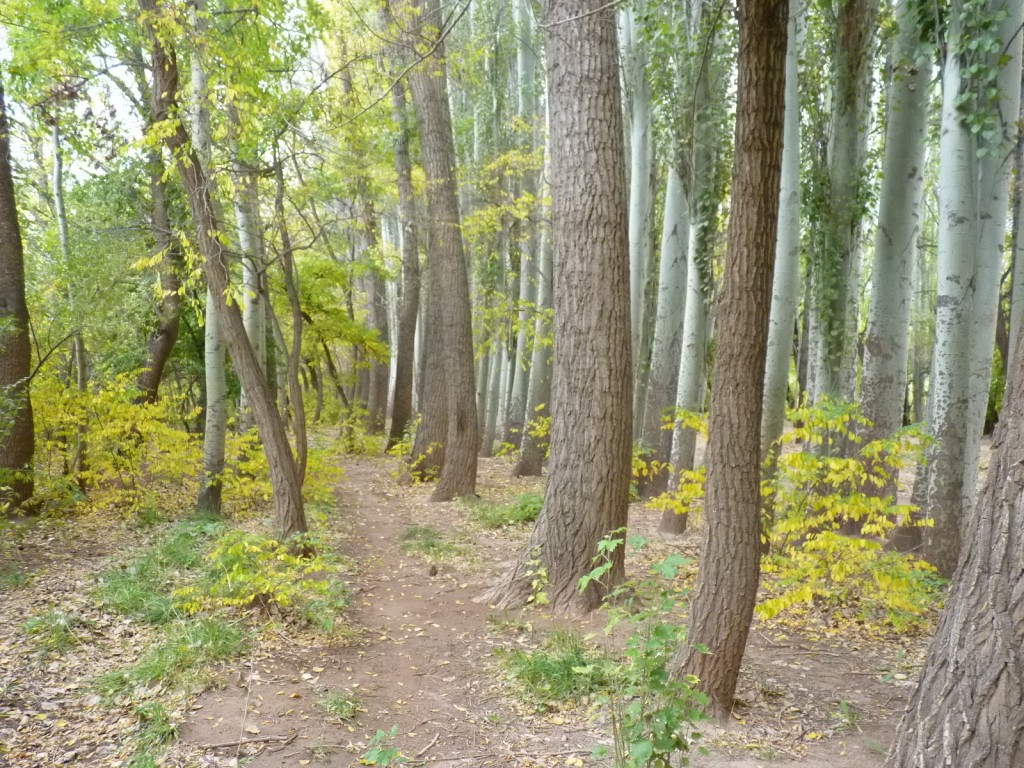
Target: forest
{"type": "Point", "coordinates": [538, 383]}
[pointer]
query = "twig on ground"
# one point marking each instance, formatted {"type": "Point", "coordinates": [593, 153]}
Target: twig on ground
{"type": "Point", "coordinates": [254, 740]}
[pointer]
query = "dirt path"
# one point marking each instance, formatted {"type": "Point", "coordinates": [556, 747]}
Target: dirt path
{"type": "Point", "coordinates": [424, 664]}
{"type": "Point", "coordinates": [421, 664]}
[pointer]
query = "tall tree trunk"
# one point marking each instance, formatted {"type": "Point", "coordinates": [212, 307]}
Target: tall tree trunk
{"type": "Point", "coordinates": [887, 345]}
{"type": "Point", "coordinates": [723, 603]}
{"type": "Point", "coordinates": [17, 441]}
{"type": "Point", "coordinates": [972, 218]}
{"type": "Point", "coordinates": [214, 357]}
{"type": "Point", "coordinates": [968, 708]}
{"type": "Point", "coordinates": [588, 487]}
{"type": "Point", "coordinates": [663, 383]}
{"type": "Point", "coordinates": [837, 270]}
{"type": "Point", "coordinates": [284, 476]}
{"type": "Point", "coordinates": [785, 281]}
{"type": "Point", "coordinates": [641, 159]}
{"type": "Point", "coordinates": [401, 400]}
{"type": "Point", "coordinates": [1017, 248]}
{"type": "Point", "coordinates": [429, 86]}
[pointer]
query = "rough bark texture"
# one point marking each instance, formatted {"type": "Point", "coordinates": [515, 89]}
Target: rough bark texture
{"type": "Point", "coordinates": [588, 486]}
{"type": "Point", "coordinates": [401, 399]}
{"type": "Point", "coordinates": [429, 86]}
{"type": "Point", "coordinates": [287, 485]}
{"type": "Point", "coordinates": [723, 603]}
{"type": "Point", "coordinates": [968, 709]}
{"type": "Point", "coordinates": [17, 444]}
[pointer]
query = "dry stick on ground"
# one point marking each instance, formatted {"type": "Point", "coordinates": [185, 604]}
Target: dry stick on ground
{"type": "Point", "coordinates": [253, 740]}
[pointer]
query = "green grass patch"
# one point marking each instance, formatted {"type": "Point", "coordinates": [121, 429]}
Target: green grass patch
{"type": "Point", "coordinates": [13, 578]}
{"type": "Point", "coordinates": [142, 588]}
{"type": "Point", "coordinates": [423, 540]}
{"type": "Point", "coordinates": [181, 659]}
{"type": "Point", "coordinates": [564, 670]}
{"type": "Point", "coordinates": [55, 630]}
{"type": "Point", "coordinates": [341, 705]}
{"type": "Point", "coordinates": [156, 728]}
{"type": "Point", "coordinates": [521, 511]}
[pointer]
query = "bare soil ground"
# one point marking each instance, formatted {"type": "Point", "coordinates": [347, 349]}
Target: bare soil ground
{"type": "Point", "coordinates": [421, 659]}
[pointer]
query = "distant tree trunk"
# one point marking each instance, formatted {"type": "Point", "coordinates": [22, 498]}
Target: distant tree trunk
{"type": "Point", "coordinates": [499, 369]}
{"type": "Point", "coordinates": [888, 338]}
{"type": "Point", "coordinates": [785, 282]}
{"type": "Point", "coordinates": [162, 342]}
{"type": "Point", "coordinates": [428, 448]}
{"type": "Point", "coordinates": [968, 708]}
{"type": "Point", "coordinates": [284, 476]}
{"type": "Point", "coordinates": [588, 487]}
{"type": "Point", "coordinates": [663, 382]}
{"type": "Point", "coordinates": [692, 372]}
{"type": "Point", "coordinates": [79, 356]}
{"type": "Point", "coordinates": [534, 447]}
{"type": "Point", "coordinates": [429, 86]}
{"type": "Point", "coordinates": [529, 257]}
{"type": "Point", "coordinates": [376, 301]}
{"type": "Point", "coordinates": [401, 401]}
{"type": "Point", "coordinates": [254, 262]}
{"type": "Point", "coordinates": [723, 603]}
{"type": "Point", "coordinates": [291, 289]}
{"type": "Point", "coordinates": [17, 441]}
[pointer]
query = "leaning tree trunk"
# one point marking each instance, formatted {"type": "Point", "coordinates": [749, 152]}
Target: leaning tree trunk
{"type": "Point", "coordinates": [656, 441]}
{"type": "Point", "coordinates": [287, 484]}
{"type": "Point", "coordinates": [588, 487]}
{"type": "Point", "coordinates": [401, 398]}
{"type": "Point", "coordinates": [888, 338]}
{"type": "Point", "coordinates": [17, 440]}
{"type": "Point", "coordinates": [429, 87]}
{"type": "Point", "coordinates": [968, 708]}
{"type": "Point", "coordinates": [723, 603]}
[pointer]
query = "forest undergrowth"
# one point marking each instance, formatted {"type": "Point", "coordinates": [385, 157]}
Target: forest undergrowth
{"type": "Point", "coordinates": [115, 620]}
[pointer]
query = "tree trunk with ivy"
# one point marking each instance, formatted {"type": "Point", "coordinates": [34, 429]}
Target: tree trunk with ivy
{"type": "Point", "coordinates": [723, 603]}
{"type": "Point", "coordinates": [587, 494]}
